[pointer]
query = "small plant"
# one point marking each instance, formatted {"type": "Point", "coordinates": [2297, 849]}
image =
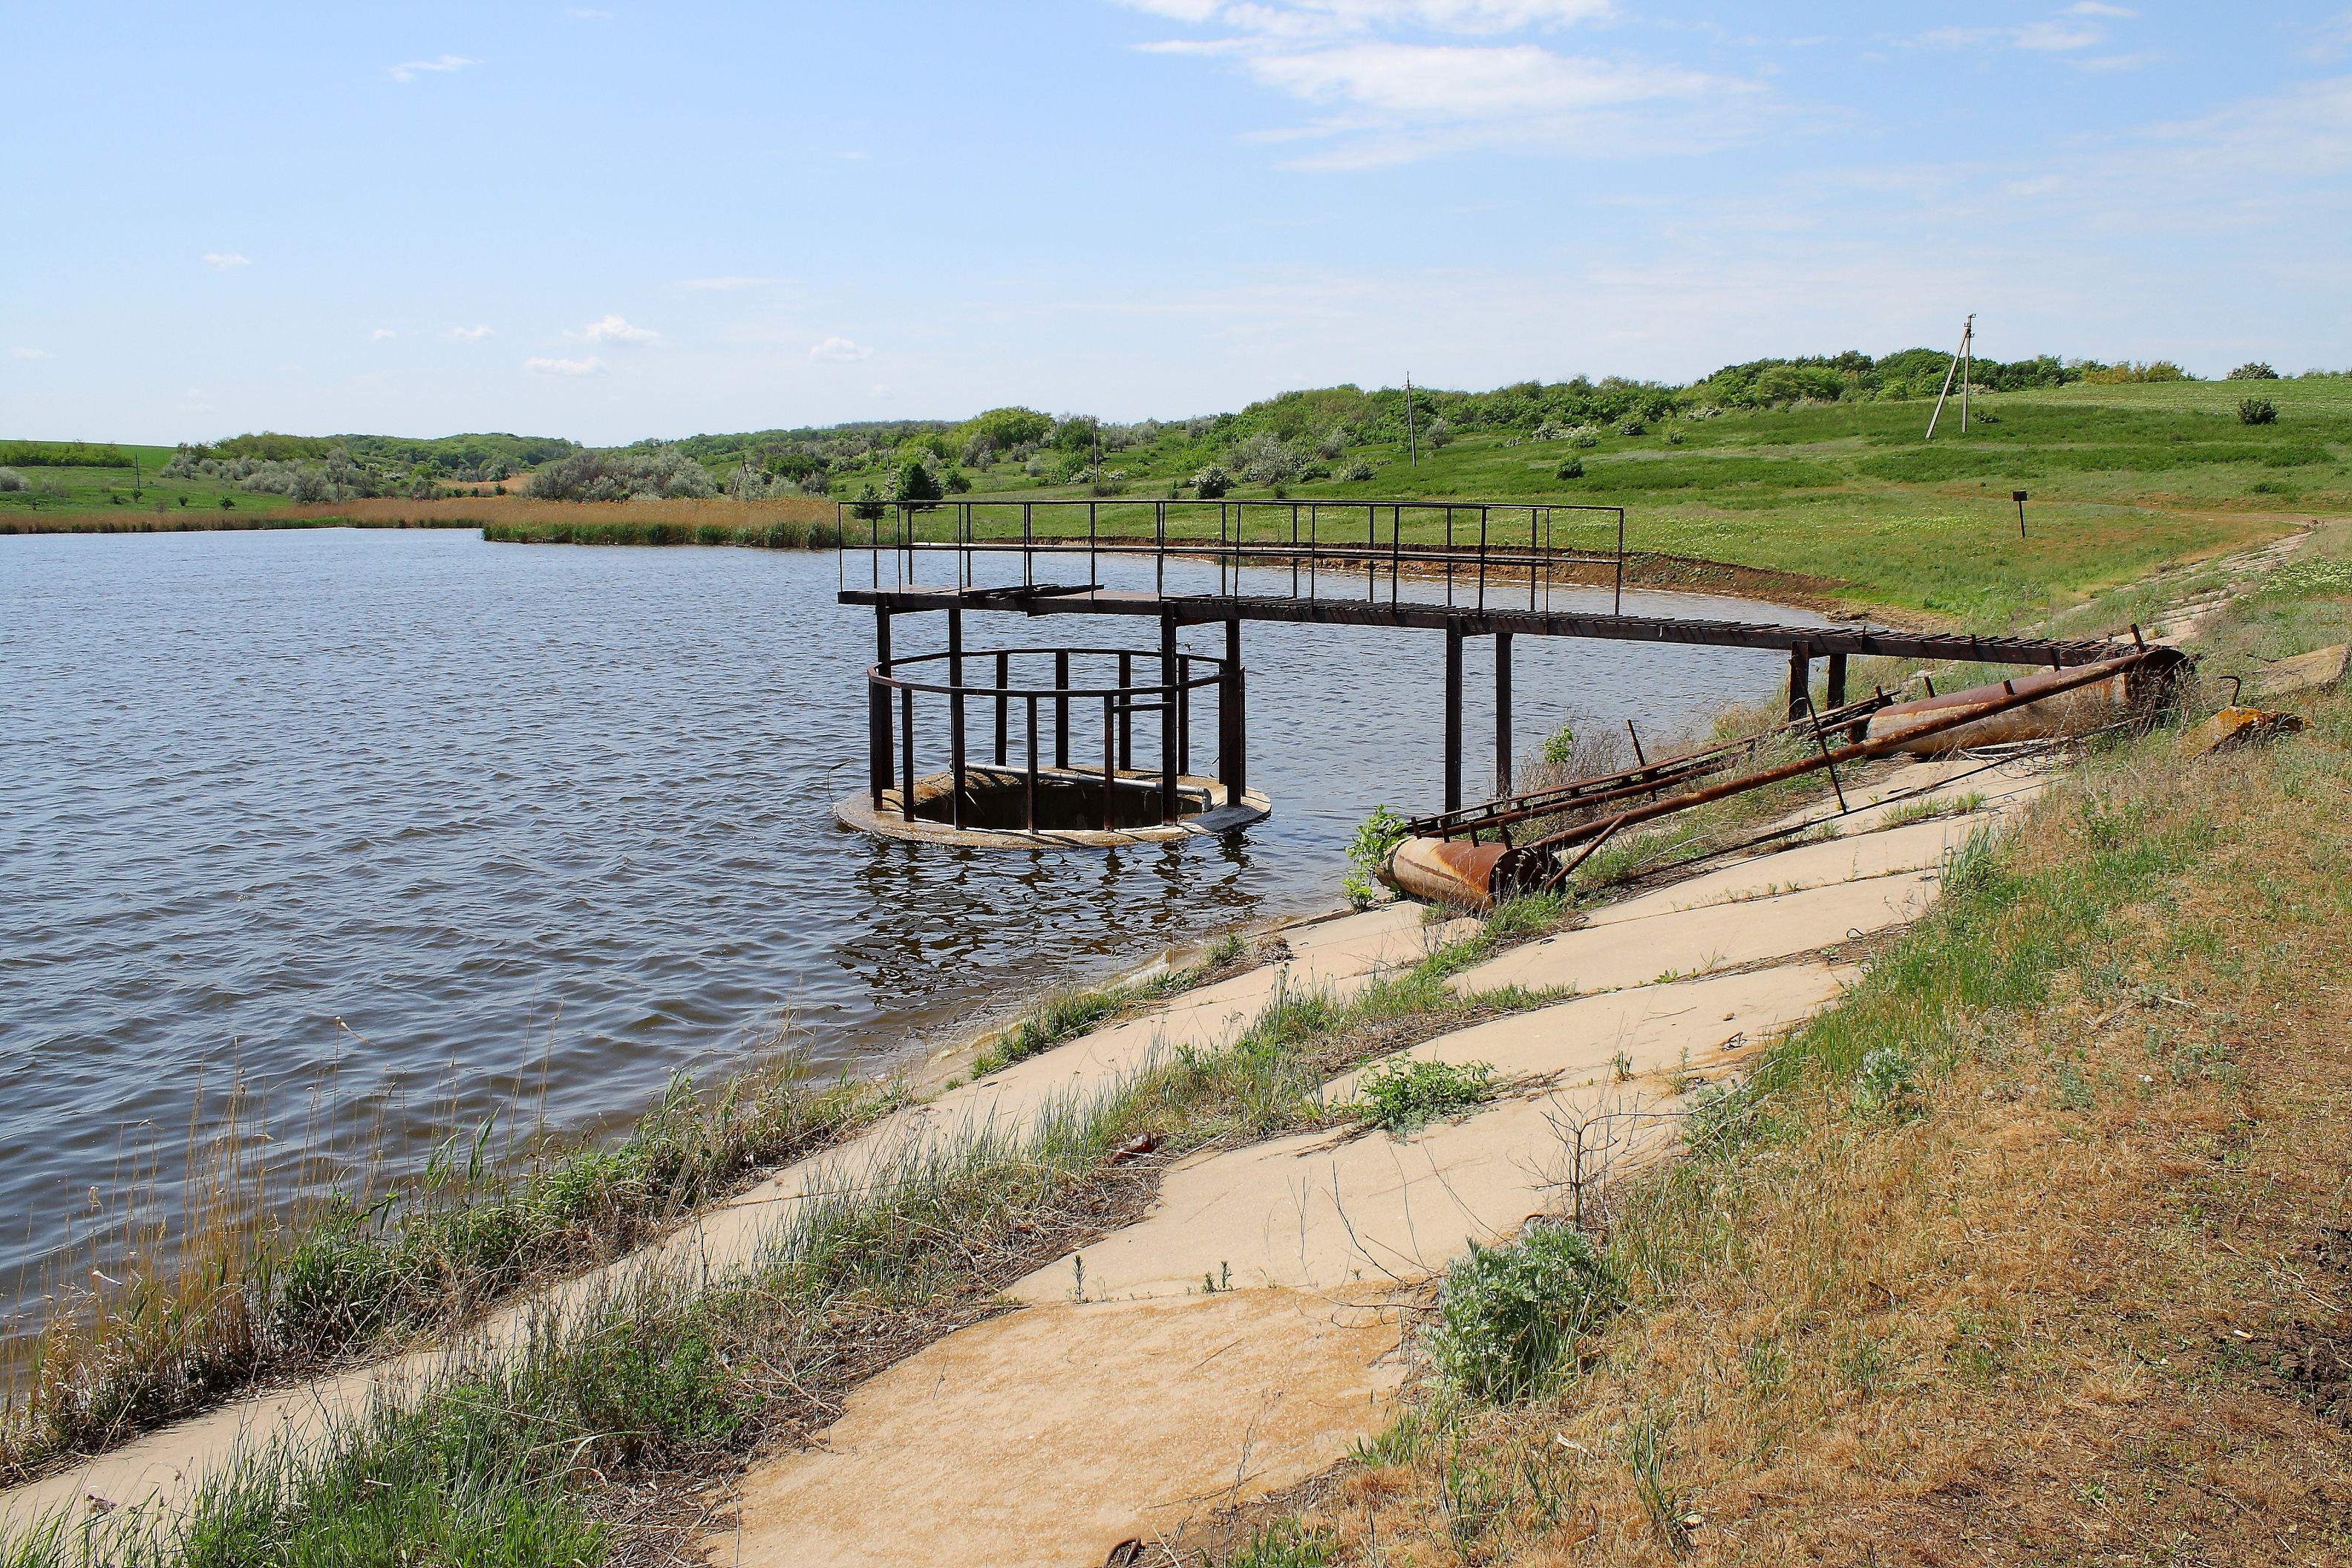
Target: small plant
{"type": "Point", "coordinates": [1379, 833]}
{"type": "Point", "coordinates": [1359, 469]}
{"type": "Point", "coordinates": [1509, 1313]}
{"type": "Point", "coordinates": [1559, 747]}
{"type": "Point", "coordinates": [1584, 435]}
{"type": "Point", "coordinates": [1405, 1096]}
{"type": "Point", "coordinates": [1646, 1452]}
{"type": "Point", "coordinates": [1212, 482]}
{"type": "Point", "coordinates": [1632, 426]}
{"type": "Point", "coordinates": [1888, 1084]}
{"type": "Point", "coordinates": [227, 504]}
{"type": "Point", "coordinates": [1572, 467]}
{"type": "Point", "coordinates": [2257, 411]}
{"type": "Point", "coordinates": [1288, 1543]}
{"type": "Point", "coordinates": [1674, 438]}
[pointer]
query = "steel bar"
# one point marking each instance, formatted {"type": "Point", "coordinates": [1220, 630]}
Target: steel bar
{"type": "Point", "coordinates": [907, 756]}
{"type": "Point", "coordinates": [1502, 712]}
{"type": "Point", "coordinates": [1837, 680]}
{"type": "Point", "coordinates": [1126, 713]}
{"type": "Point", "coordinates": [1029, 814]}
{"type": "Point", "coordinates": [1110, 772]}
{"type": "Point", "coordinates": [1004, 703]}
{"type": "Point", "coordinates": [1801, 679]}
{"type": "Point", "coordinates": [1168, 676]}
{"type": "Point", "coordinates": [878, 712]}
{"type": "Point", "coordinates": [1232, 729]}
{"type": "Point", "coordinates": [955, 714]}
{"type": "Point", "coordinates": [1452, 717]}
{"type": "Point", "coordinates": [1061, 710]}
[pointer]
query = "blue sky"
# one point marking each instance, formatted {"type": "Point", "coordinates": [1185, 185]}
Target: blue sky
{"type": "Point", "coordinates": [609, 222]}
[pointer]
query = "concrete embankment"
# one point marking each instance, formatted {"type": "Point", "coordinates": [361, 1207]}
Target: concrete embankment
{"type": "Point", "coordinates": [1243, 1333]}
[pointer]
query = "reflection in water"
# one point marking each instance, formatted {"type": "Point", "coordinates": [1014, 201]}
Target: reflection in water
{"type": "Point", "coordinates": [559, 820]}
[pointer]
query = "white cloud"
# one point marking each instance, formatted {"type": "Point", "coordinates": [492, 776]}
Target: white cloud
{"type": "Point", "coordinates": [883, 392]}
{"type": "Point", "coordinates": [614, 329]}
{"type": "Point", "coordinates": [227, 260]}
{"type": "Point", "coordinates": [470, 335]}
{"type": "Point", "coordinates": [381, 333]}
{"type": "Point", "coordinates": [724, 283]}
{"type": "Point", "coordinates": [2078, 26]}
{"type": "Point", "coordinates": [591, 365]}
{"type": "Point", "coordinates": [1393, 84]}
{"type": "Point", "coordinates": [407, 69]}
{"type": "Point", "coordinates": [839, 350]}
{"type": "Point", "coordinates": [2095, 8]}
{"type": "Point", "coordinates": [32, 354]}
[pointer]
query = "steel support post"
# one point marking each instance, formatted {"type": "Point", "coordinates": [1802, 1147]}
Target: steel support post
{"type": "Point", "coordinates": [877, 713]}
{"type": "Point", "coordinates": [1168, 676]}
{"type": "Point", "coordinates": [955, 715]}
{"type": "Point", "coordinates": [1502, 715]}
{"type": "Point", "coordinates": [1837, 680]}
{"type": "Point", "coordinates": [1126, 712]}
{"type": "Point", "coordinates": [1061, 710]}
{"type": "Point", "coordinates": [1111, 739]}
{"type": "Point", "coordinates": [1801, 680]}
{"type": "Point", "coordinates": [1453, 716]}
{"type": "Point", "coordinates": [1004, 703]}
{"type": "Point", "coordinates": [1029, 816]}
{"type": "Point", "coordinates": [907, 755]}
{"type": "Point", "coordinates": [1231, 722]}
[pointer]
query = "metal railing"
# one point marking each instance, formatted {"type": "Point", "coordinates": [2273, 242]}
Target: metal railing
{"type": "Point", "coordinates": [1169, 697]}
{"type": "Point", "coordinates": [1479, 547]}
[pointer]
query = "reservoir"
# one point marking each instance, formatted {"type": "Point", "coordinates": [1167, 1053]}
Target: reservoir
{"type": "Point", "coordinates": [395, 829]}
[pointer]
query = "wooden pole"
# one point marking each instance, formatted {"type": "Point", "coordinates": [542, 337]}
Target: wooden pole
{"type": "Point", "coordinates": [1801, 680]}
{"type": "Point", "coordinates": [1967, 331]}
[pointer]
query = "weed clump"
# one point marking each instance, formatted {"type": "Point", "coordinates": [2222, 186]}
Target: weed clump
{"type": "Point", "coordinates": [1404, 1096]}
{"type": "Point", "coordinates": [1509, 1313]}
{"type": "Point", "coordinates": [1379, 833]}
{"type": "Point", "coordinates": [2257, 411]}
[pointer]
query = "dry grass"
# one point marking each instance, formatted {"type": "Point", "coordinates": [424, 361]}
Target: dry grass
{"type": "Point", "coordinates": [2088, 1303]}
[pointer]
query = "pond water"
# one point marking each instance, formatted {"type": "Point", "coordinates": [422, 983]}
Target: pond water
{"type": "Point", "coordinates": [396, 827]}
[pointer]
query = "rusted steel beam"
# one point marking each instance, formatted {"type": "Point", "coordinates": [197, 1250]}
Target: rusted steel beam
{"type": "Point", "coordinates": [1860, 641]}
{"type": "Point", "coordinates": [1452, 717]}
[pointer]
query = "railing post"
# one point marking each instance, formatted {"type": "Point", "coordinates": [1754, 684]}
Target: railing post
{"type": "Point", "coordinates": [1061, 709]}
{"type": "Point", "coordinates": [1168, 676]}
{"type": "Point", "coordinates": [1004, 702]}
{"type": "Point", "coordinates": [878, 712]}
{"type": "Point", "coordinates": [1801, 681]}
{"type": "Point", "coordinates": [1837, 680]}
{"type": "Point", "coordinates": [1110, 725]}
{"type": "Point", "coordinates": [907, 755]}
{"type": "Point", "coordinates": [1502, 715]}
{"type": "Point", "coordinates": [1029, 817]}
{"type": "Point", "coordinates": [1452, 715]}
{"type": "Point", "coordinates": [1126, 712]}
{"type": "Point", "coordinates": [1233, 765]}
{"type": "Point", "coordinates": [955, 715]}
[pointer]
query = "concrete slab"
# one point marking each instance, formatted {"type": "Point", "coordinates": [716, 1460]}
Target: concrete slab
{"type": "Point", "coordinates": [1699, 941]}
{"type": "Point", "coordinates": [1846, 859]}
{"type": "Point", "coordinates": [1053, 1434]}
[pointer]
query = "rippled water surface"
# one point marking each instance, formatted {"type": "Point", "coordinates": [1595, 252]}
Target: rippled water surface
{"type": "Point", "coordinates": [559, 818]}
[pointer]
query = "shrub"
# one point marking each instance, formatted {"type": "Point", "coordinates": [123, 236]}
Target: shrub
{"type": "Point", "coordinates": [1358, 469]}
{"type": "Point", "coordinates": [2257, 411]}
{"type": "Point", "coordinates": [1631, 428]}
{"type": "Point", "coordinates": [1212, 482]}
{"type": "Point", "coordinates": [10, 479]}
{"type": "Point", "coordinates": [1334, 443]}
{"type": "Point", "coordinates": [1551, 430]}
{"type": "Point", "coordinates": [1570, 467]}
{"type": "Point", "coordinates": [1375, 836]}
{"type": "Point", "coordinates": [1404, 1096]}
{"type": "Point", "coordinates": [1439, 432]}
{"type": "Point", "coordinates": [2253, 369]}
{"type": "Point", "coordinates": [1674, 438]}
{"type": "Point", "coordinates": [1559, 747]}
{"type": "Point", "coordinates": [870, 507]}
{"type": "Point", "coordinates": [1508, 1313]}
{"type": "Point", "coordinates": [1584, 435]}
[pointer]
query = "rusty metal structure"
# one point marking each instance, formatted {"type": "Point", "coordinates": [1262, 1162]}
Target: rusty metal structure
{"type": "Point", "coordinates": [1489, 569]}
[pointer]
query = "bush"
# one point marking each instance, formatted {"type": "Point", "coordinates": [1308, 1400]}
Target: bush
{"type": "Point", "coordinates": [10, 479]}
{"type": "Point", "coordinates": [1508, 1313]}
{"type": "Point", "coordinates": [2253, 369]}
{"type": "Point", "coordinates": [1570, 467]}
{"type": "Point", "coordinates": [1375, 836]}
{"type": "Point", "coordinates": [1358, 469]}
{"type": "Point", "coordinates": [1559, 747]}
{"type": "Point", "coordinates": [2257, 411]}
{"type": "Point", "coordinates": [1333, 445]}
{"type": "Point", "coordinates": [1404, 1096]}
{"type": "Point", "coordinates": [1632, 427]}
{"type": "Point", "coordinates": [1584, 435]}
{"type": "Point", "coordinates": [1674, 438]}
{"type": "Point", "coordinates": [1439, 432]}
{"type": "Point", "coordinates": [1212, 482]}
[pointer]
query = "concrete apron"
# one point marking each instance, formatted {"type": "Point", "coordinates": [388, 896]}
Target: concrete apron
{"type": "Point", "coordinates": [160, 1468]}
{"type": "Point", "coordinates": [1242, 1336]}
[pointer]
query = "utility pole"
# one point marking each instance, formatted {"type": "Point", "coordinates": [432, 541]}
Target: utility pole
{"type": "Point", "coordinates": [1412, 445]}
{"type": "Point", "coordinates": [1958, 367]}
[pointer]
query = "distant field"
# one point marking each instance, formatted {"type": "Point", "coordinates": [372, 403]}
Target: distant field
{"type": "Point", "coordinates": [2123, 479]}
